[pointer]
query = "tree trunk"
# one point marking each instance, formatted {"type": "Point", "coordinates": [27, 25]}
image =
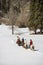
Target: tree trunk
{"type": "Point", "coordinates": [35, 31]}
{"type": "Point", "coordinates": [41, 28]}
{"type": "Point", "coordinates": [12, 29]}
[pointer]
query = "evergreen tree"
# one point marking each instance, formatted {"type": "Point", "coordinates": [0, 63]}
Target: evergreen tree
{"type": "Point", "coordinates": [36, 15]}
{"type": "Point", "coordinates": [4, 5]}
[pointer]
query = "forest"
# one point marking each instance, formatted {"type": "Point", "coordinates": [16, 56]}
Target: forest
{"type": "Point", "coordinates": [23, 13]}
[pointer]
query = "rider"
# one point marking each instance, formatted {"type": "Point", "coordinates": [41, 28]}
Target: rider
{"type": "Point", "coordinates": [18, 41]}
{"type": "Point", "coordinates": [24, 44]}
{"type": "Point", "coordinates": [31, 44]}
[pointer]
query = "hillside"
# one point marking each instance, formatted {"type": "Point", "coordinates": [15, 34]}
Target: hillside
{"type": "Point", "coordinates": [12, 54]}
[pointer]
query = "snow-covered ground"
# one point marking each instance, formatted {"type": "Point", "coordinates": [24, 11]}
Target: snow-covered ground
{"type": "Point", "coordinates": [12, 54]}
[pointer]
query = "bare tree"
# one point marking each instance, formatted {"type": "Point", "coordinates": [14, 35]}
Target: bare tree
{"type": "Point", "coordinates": [13, 14]}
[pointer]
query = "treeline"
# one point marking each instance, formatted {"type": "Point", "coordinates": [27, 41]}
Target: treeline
{"type": "Point", "coordinates": [36, 15]}
{"type": "Point", "coordinates": [4, 5]}
{"type": "Point", "coordinates": [13, 8]}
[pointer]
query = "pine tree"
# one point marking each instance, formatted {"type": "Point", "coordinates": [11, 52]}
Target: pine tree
{"type": "Point", "coordinates": [36, 15]}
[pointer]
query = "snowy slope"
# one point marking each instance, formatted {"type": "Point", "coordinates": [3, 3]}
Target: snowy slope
{"type": "Point", "coordinates": [12, 54]}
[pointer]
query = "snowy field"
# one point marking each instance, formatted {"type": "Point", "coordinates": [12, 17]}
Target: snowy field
{"type": "Point", "coordinates": [12, 54]}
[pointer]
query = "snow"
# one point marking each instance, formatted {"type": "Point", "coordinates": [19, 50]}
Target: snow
{"type": "Point", "coordinates": [38, 30]}
{"type": "Point", "coordinates": [12, 54]}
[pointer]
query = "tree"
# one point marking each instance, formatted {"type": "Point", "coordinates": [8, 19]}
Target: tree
{"type": "Point", "coordinates": [13, 14]}
{"type": "Point", "coordinates": [31, 23]}
{"type": "Point", "coordinates": [4, 5]}
{"type": "Point", "coordinates": [36, 16]}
